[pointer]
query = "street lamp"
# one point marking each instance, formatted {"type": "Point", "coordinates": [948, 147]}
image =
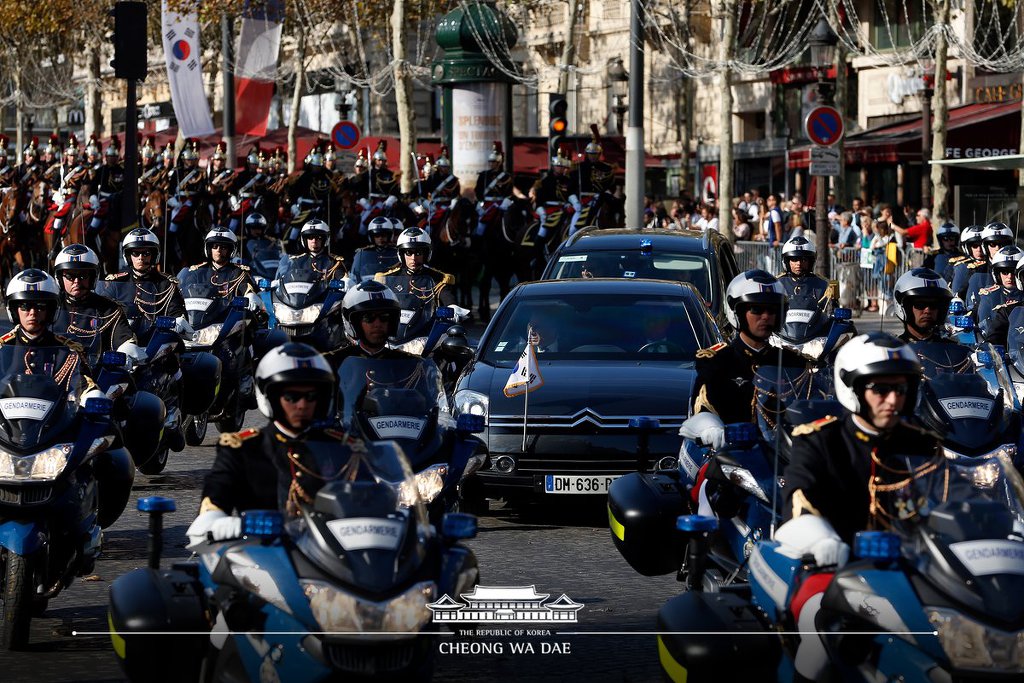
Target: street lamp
{"type": "Point", "coordinates": [618, 82]}
{"type": "Point", "coordinates": [822, 42]}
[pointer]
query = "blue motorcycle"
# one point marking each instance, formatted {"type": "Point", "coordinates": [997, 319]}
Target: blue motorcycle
{"type": "Point", "coordinates": [53, 453]}
{"type": "Point", "coordinates": [340, 586]}
{"type": "Point", "coordinates": [308, 308]}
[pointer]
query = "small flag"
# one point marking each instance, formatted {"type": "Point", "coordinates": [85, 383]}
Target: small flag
{"type": "Point", "coordinates": [526, 375]}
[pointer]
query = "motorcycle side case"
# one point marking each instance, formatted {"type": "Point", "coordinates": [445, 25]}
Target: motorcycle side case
{"type": "Point", "coordinates": [144, 425]}
{"type": "Point", "coordinates": [147, 600]}
{"type": "Point", "coordinates": [200, 373]}
{"type": "Point", "coordinates": [700, 651]}
{"type": "Point", "coordinates": [642, 513]}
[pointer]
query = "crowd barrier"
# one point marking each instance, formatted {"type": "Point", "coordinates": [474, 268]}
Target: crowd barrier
{"type": "Point", "coordinates": [865, 276]}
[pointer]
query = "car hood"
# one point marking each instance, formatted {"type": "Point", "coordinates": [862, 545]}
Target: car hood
{"type": "Point", "coordinates": [609, 389]}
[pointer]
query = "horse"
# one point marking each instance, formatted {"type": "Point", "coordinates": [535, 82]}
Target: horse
{"type": "Point", "coordinates": [12, 257]}
{"type": "Point", "coordinates": [451, 251]}
{"type": "Point", "coordinates": [72, 230]}
{"type": "Point", "coordinates": [506, 251]}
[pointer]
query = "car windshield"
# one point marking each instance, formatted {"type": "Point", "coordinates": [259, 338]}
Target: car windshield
{"type": "Point", "coordinates": [692, 268]}
{"type": "Point", "coordinates": [632, 326]}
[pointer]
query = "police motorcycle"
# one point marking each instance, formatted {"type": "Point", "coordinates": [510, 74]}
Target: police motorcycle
{"type": "Point", "coordinates": [260, 254]}
{"type": "Point", "coordinates": [338, 585]}
{"type": "Point", "coordinates": [56, 444]}
{"type": "Point", "coordinates": [308, 308]}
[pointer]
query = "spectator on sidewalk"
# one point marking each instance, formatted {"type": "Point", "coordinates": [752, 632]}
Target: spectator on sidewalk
{"type": "Point", "coordinates": [773, 225]}
{"type": "Point", "coordinates": [848, 235]}
{"type": "Point", "coordinates": [920, 233]}
{"type": "Point", "coordinates": [740, 224]}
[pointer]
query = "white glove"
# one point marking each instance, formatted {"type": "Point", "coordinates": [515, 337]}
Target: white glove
{"type": "Point", "coordinates": [58, 197]}
{"type": "Point", "coordinates": [575, 201]}
{"type": "Point", "coordinates": [542, 215]}
{"type": "Point", "coordinates": [173, 202]}
{"type": "Point", "coordinates": [136, 354]}
{"type": "Point", "coordinates": [505, 203]}
{"type": "Point", "coordinates": [543, 232]}
{"type": "Point", "coordinates": [295, 210]}
{"type": "Point", "coordinates": [811, 534]}
{"type": "Point", "coordinates": [453, 203]}
{"type": "Point", "coordinates": [419, 209]}
{"type": "Point", "coordinates": [182, 327]}
{"type": "Point", "coordinates": [94, 202]}
{"type": "Point", "coordinates": [706, 428]}
{"type": "Point", "coordinates": [390, 201]}
{"type": "Point", "coordinates": [363, 202]}
{"type": "Point", "coordinates": [215, 525]}
{"type": "Point", "coordinates": [255, 302]}
{"type": "Point", "coordinates": [460, 313]}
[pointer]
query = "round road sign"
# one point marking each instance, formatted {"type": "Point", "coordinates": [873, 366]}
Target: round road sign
{"type": "Point", "coordinates": [824, 126]}
{"type": "Point", "coordinates": [345, 135]}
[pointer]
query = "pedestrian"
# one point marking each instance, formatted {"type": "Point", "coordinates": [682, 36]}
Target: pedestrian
{"type": "Point", "coordinates": [867, 261]}
{"type": "Point", "coordinates": [773, 225]}
{"type": "Point", "coordinates": [740, 224]}
{"type": "Point", "coordinates": [921, 232]}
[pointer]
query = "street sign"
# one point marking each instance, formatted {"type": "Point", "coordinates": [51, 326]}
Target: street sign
{"type": "Point", "coordinates": [824, 126]}
{"type": "Point", "coordinates": [824, 161]}
{"type": "Point", "coordinates": [345, 135]}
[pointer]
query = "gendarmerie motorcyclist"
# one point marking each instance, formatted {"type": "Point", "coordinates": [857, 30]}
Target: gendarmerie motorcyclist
{"type": "Point", "coordinates": [948, 236]}
{"type": "Point", "coordinates": [256, 238]}
{"type": "Point", "coordinates": [381, 253]}
{"type": "Point", "coordinates": [844, 472]}
{"type": "Point", "coordinates": [998, 328]}
{"type": "Point", "coordinates": [922, 303]}
{"type": "Point", "coordinates": [82, 314]}
{"type": "Point", "coordinates": [315, 240]}
{"type": "Point", "coordinates": [969, 277]}
{"type": "Point", "coordinates": [798, 277]}
{"type": "Point", "coordinates": [1003, 292]}
{"type": "Point", "coordinates": [219, 270]}
{"type": "Point", "coordinates": [370, 311]}
{"type": "Point", "coordinates": [295, 388]}
{"type": "Point", "coordinates": [156, 294]}
{"type": "Point", "coordinates": [960, 268]}
{"type": "Point", "coordinates": [416, 284]}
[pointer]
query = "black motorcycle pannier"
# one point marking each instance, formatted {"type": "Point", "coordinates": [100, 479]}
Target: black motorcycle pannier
{"type": "Point", "coordinates": [642, 513]}
{"type": "Point", "coordinates": [200, 374]}
{"type": "Point", "coordinates": [144, 425]}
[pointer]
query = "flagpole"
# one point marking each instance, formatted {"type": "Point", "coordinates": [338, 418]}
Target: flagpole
{"type": "Point", "coordinates": [526, 402]}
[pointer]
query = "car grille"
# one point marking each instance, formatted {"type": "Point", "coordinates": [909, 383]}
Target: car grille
{"type": "Point", "coordinates": [557, 465]}
{"type": "Point", "coordinates": [585, 420]}
{"type": "Point", "coordinates": [367, 660]}
{"type": "Point", "coordinates": [25, 495]}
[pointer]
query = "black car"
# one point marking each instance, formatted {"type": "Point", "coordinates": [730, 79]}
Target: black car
{"type": "Point", "coordinates": [608, 354]}
{"type": "Point", "coordinates": [704, 259]}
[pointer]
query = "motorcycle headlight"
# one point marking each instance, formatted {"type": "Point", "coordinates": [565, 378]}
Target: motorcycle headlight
{"type": "Point", "coordinates": [208, 335]}
{"type": "Point", "coordinates": [972, 645]}
{"type": "Point", "coordinates": [428, 484]}
{"type": "Point", "coordinates": [472, 403]}
{"type": "Point", "coordinates": [339, 612]}
{"type": "Point", "coordinates": [814, 348]}
{"type": "Point", "coordinates": [286, 315]}
{"type": "Point", "coordinates": [43, 466]}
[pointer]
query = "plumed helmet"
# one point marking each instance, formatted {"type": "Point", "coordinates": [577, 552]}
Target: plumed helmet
{"type": "Point", "coordinates": [220, 152]}
{"type": "Point", "coordinates": [288, 365]}
{"type": "Point", "coordinates": [1005, 260]}
{"type": "Point", "coordinates": [52, 146]}
{"type": "Point", "coordinates": [76, 257]}
{"type": "Point", "coordinates": [93, 148]}
{"type": "Point", "coordinates": [361, 159]}
{"type": "Point", "coordinates": [31, 149]}
{"type": "Point", "coordinates": [381, 153]}
{"type": "Point", "coordinates": [871, 355]}
{"type": "Point", "coordinates": [366, 297]}
{"type": "Point", "coordinates": [34, 286]}
{"type": "Point", "coordinates": [496, 152]}
{"type": "Point", "coordinates": [253, 158]}
{"type": "Point", "coordinates": [3, 146]}
{"type": "Point", "coordinates": [315, 227]}
{"type": "Point", "coordinates": [750, 288]}
{"type": "Point", "coordinates": [798, 247]}
{"type": "Point", "coordinates": [140, 238]}
{"type": "Point", "coordinates": [561, 161]}
{"type": "Point", "coordinates": [594, 146]}
{"type": "Point", "coordinates": [996, 233]}
{"type": "Point", "coordinates": [190, 152]}
{"type": "Point", "coordinates": [148, 149]}
{"type": "Point", "coordinates": [315, 158]}
{"type": "Point", "coordinates": [168, 152]}
{"type": "Point", "coordinates": [220, 235]}
{"type": "Point", "coordinates": [113, 148]}
{"type": "Point", "coordinates": [921, 284]}
{"type": "Point", "coordinates": [413, 239]}
{"type": "Point", "coordinates": [329, 153]}
{"type": "Point", "coordinates": [970, 236]}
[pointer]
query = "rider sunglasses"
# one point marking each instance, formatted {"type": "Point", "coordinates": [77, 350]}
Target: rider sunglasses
{"type": "Point", "coordinates": [884, 389]}
{"type": "Point", "coordinates": [761, 310]}
{"type": "Point", "coordinates": [374, 317]}
{"type": "Point", "coordinates": [296, 396]}
{"type": "Point", "coordinates": [925, 305]}
{"type": "Point", "coordinates": [70, 277]}
{"type": "Point", "coordinates": [32, 306]}
{"type": "Point", "coordinates": [139, 252]}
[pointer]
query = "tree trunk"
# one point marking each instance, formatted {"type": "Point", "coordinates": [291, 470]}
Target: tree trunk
{"type": "Point", "coordinates": [403, 98]}
{"type": "Point", "coordinates": [19, 117]}
{"type": "Point", "coordinates": [299, 70]}
{"type": "Point", "coordinates": [940, 112]}
{"type": "Point", "coordinates": [93, 98]}
{"type": "Point", "coordinates": [725, 52]}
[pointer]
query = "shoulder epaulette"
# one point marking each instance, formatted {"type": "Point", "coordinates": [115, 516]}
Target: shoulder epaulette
{"type": "Point", "coordinates": [243, 267]}
{"type": "Point", "coordinates": [811, 427]}
{"type": "Point", "coordinates": [235, 439]}
{"type": "Point", "coordinates": [114, 276]}
{"type": "Point", "coordinates": [390, 271]}
{"type": "Point", "coordinates": [711, 350]}
{"type": "Point", "coordinates": [447, 280]}
{"type": "Point", "coordinates": [976, 264]}
{"type": "Point", "coordinates": [988, 290]}
{"type": "Point", "coordinates": [197, 266]}
{"type": "Point", "coordinates": [8, 337]}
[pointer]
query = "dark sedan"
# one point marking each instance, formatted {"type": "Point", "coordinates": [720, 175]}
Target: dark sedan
{"type": "Point", "coordinates": [610, 354]}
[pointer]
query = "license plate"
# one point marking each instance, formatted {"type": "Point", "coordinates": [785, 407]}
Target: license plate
{"type": "Point", "coordinates": [592, 483]}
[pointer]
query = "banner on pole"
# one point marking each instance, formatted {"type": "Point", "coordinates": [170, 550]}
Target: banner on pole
{"type": "Point", "coordinates": [185, 73]}
{"type": "Point", "coordinates": [259, 43]}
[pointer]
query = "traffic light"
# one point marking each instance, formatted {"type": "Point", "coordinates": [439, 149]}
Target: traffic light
{"type": "Point", "coordinates": [129, 39]}
{"type": "Point", "coordinates": [558, 125]}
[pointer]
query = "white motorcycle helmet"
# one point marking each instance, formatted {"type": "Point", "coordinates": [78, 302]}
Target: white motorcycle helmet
{"type": "Point", "coordinates": [291, 364]}
{"type": "Point", "coordinates": [413, 239]}
{"type": "Point", "coordinates": [870, 355]}
{"type": "Point", "coordinates": [948, 230]}
{"type": "Point", "coordinates": [255, 220]}
{"type": "Point", "coordinates": [397, 226]}
{"type": "Point", "coordinates": [32, 286]}
{"type": "Point", "coordinates": [1005, 260]}
{"type": "Point", "coordinates": [921, 284]}
{"type": "Point", "coordinates": [366, 297]}
{"type": "Point", "coordinates": [315, 227]}
{"type": "Point", "coordinates": [798, 247]}
{"type": "Point", "coordinates": [749, 288]}
{"type": "Point", "coordinates": [379, 226]}
{"type": "Point", "coordinates": [140, 238]}
{"type": "Point", "coordinates": [219, 235]}
{"type": "Point", "coordinates": [76, 257]}
{"type": "Point", "coordinates": [971, 236]}
{"type": "Point", "coordinates": [996, 234]}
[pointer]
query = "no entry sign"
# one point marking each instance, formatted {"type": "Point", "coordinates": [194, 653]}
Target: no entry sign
{"type": "Point", "coordinates": [345, 135]}
{"type": "Point", "coordinates": [824, 126]}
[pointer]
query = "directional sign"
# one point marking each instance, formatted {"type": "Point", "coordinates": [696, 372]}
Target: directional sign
{"type": "Point", "coordinates": [824, 126]}
{"type": "Point", "coordinates": [824, 161]}
{"type": "Point", "coordinates": [345, 135]}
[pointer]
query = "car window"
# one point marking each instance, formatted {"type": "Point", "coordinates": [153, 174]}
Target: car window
{"type": "Point", "coordinates": [692, 268]}
{"type": "Point", "coordinates": [611, 327]}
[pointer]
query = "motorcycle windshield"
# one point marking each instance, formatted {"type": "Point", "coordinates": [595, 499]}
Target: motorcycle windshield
{"type": "Point", "coordinates": [776, 390]}
{"type": "Point", "coordinates": [963, 524]}
{"type": "Point", "coordinates": [205, 302]}
{"type": "Point", "coordinates": [964, 411]}
{"type": "Point", "coordinates": [299, 288]}
{"type": "Point", "coordinates": [396, 399]}
{"type": "Point", "coordinates": [1015, 337]}
{"type": "Point", "coordinates": [39, 393]}
{"type": "Point", "coordinates": [416, 316]}
{"type": "Point", "coordinates": [805, 319]}
{"type": "Point", "coordinates": [365, 524]}
{"type": "Point", "coordinates": [938, 358]}
{"type": "Point", "coordinates": [264, 261]}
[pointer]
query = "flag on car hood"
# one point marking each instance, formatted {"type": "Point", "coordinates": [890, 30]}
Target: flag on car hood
{"type": "Point", "coordinates": [526, 375]}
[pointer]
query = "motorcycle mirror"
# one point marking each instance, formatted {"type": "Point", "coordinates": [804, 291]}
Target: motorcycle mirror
{"type": "Point", "coordinates": [98, 407]}
{"type": "Point", "coordinates": [113, 359]}
{"type": "Point", "coordinates": [164, 322]}
{"type": "Point", "coordinates": [466, 422]}
{"type": "Point", "coordinates": [458, 526]}
{"type": "Point", "coordinates": [263, 284]}
{"type": "Point", "coordinates": [842, 314]}
{"type": "Point", "coordinates": [239, 302]}
{"type": "Point", "coordinates": [336, 285]}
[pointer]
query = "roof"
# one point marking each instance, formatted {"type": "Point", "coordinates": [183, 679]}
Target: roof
{"type": "Point", "coordinates": [606, 285]}
{"type": "Point", "coordinates": [690, 241]}
{"type": "Point", "coordinates": [505, 593]}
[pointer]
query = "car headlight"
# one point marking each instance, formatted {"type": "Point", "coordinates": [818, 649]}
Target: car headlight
{"type": "Point", "coordinates": [43, 466]}
{"type": "Point", "coordinates": [428, 483]}
{"type": "Point", "coordinates": [471, 403]}
{"type": "Point", "coordinates": [339, 612]}
{"type": "Point", "coordinates": [972, 645]}
{"type": "Point", "coordinates": [207, 335]}
{"type": "Point", "coordinates": [286, 315]}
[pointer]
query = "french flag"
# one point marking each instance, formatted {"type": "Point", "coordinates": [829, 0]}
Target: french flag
{"type": "Point", "coordinates": [256, 64]}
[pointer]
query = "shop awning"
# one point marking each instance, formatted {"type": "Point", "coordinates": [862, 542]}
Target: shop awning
{"type": "Point", "coordinates": [1005, 162]}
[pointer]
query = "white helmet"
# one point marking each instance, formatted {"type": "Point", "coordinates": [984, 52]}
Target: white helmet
{"type": "Point", "coordinates": [921, 284]}
{"type": "Point", "coordinates": [31, 286]}
{"type": "Point", "coordinates": [76, 257]}
{"type": "Point", "coordinates": [413, 239]}
{"type": "Point", "coordinates": [948, 229]}
{"type": "Point", "coordinates": [255, 220]}
{"type": "Point", "coordinates": [140, 238]}
{"type": "Point", "coordinates": [1006, 260]}
{"type": "Point", "coordinates": [753, 287]}
{"type": "Point", "coordinates": [378, 225]}
{"type": "Point", "coordinates": [798, 247]}
{"type": "Point", "coordinates": [220, 235]}
{"type": "Point", "coordinates": [397, 225]}
{"type": "Point", "coordinates": [971, 236]}
{"type": "Point", "coordinates": [313, 227]}
{"type": "Point", "coordinates": [293, 363]}
{"type": "Point", "coordinates": [366, 297]}
{"type": "Point", "coordinates": [996, 233]}
{"type": "Point", "coordinates": [871, 355]}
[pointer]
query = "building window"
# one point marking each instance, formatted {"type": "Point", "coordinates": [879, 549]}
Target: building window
{"type": "Point", "coordinates": [897, 24]}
